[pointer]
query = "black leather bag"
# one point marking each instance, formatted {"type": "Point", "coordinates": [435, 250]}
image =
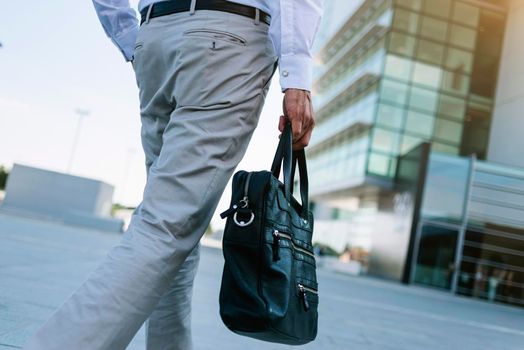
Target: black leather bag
{"type": "Point", "coordinates": [269, 285]}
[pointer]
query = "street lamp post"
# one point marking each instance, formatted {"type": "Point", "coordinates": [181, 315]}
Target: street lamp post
{"type": "Point", "coordinates": [81, 114]}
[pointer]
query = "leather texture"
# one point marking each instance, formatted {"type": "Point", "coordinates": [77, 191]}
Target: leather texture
{"type": "Point", "coordinates": [269, 285]}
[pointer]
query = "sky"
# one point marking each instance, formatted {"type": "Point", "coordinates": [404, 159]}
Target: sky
{"type": "Point", "coordinates": [55, 60]}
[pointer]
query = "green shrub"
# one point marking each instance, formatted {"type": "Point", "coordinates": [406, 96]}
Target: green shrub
{"type": "Point", "coordinates": [3, 177]}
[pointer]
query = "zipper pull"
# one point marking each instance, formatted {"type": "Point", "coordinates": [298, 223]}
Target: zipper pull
{"type": "Point", "coordinates": [230, 211]}
{"type": "Point", "coordinates": [276, 245]}
{"type": "Point", "coordinates": [244, 202]}
{"type": "Point", "coordinates": [303, 296]}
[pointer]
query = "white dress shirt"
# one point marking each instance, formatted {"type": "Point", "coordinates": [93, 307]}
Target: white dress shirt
{"type": "Point", "coordinates": [294, 24]}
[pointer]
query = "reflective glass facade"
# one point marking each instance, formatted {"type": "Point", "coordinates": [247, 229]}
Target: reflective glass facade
{"type": "Point", "coordinates": [347, 90]}
{"type": "Point", "coordinates": [398, 79]}
{"type": "Point", "coordinates": [439, 80]}
{"type": "Point", "coordinates": [411, 71]}
{"type": "Point", "coordinates": [470, 238]}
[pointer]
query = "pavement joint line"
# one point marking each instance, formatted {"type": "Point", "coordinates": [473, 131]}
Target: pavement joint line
{"type": "Point", "coordinates": [437, 317]}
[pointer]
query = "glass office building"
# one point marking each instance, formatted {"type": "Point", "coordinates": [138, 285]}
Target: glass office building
{"type": "Point", "coordinates": [468, 232]}
{"type": "Point", "coordinates": [401, 72]}
{"type": "Point", "coordinates": [404, 96]}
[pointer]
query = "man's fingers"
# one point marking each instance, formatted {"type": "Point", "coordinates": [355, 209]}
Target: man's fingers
{"type": "Point", "coordinates": [304, 140]}
{"type": "Point", "coordinates": [295, 114]}
{"type": "Point", "coordinates": [310, 113]}
{"type": "Point", "coordinates": [281, 123]}
{"type": "Point", "coordinates": [296, 126]}
{"type": "Point", "coordinates": [308, 123]}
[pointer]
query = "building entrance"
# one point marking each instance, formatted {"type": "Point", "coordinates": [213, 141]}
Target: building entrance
{"type": "Point", "coordinates": [435, 259]}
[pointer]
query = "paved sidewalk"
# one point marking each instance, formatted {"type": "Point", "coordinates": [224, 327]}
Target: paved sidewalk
{"type": "Point", "coordinates": [41, 263]}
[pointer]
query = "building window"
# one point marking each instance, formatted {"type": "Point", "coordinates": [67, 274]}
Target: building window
{"type": "Point", "coordinates": [433, 29]}
{"type": "Point", "coordinates": [390, 116]}
{"type": "Point", "coordinates": [434, 264]}
{"type": "Point", "coordinates": [492, 22]}
{"type": "Point", "coordinates": [452, 106]}
{"type": "Point", "coordinates": [447, 130]}
{"type": "Point", "coordinates": [444, 148]}
{"type": "Point", "coordinates": [455, 82]}
{"type": "Point", "coordinates": [489, 44]}
{"type": "Point", "coordinates": [427, 75]}
{"type": "Point", "coordinates": [420, 123]}
{"type": "Point", "coordinates": [398, 67]}
{"type": "Point", "coordinates": [476, 133]}
{"type": "Point", "coordinates": [439, 8]}
{"type": "Point", "coordinates": [394, 92]}
{"type": "Point", "coordinates": [484, 77]}
{"type": "Point", "coordinates": [385, 141]}
{"type": "Point", "coordinates": [466, 14]}
{"type": "Point", "coordinates": [402, 44]}
{"type": "Point", "coordinates": [409, 142]}
{"type": "Point", "coordinates": [406, 21]}
{"type": "Point", "coordinates": [430, 52]}
{"type": "Point", "coordinates": [423, 99]}
{"type": "Point", "coordinates": [412, 4]}
{"type": "Point", "coordinates": [462, 36]}
{"type": "Point", "coordinates": [445, 188]}
{"type": "Point", "coordinates": [379, 164]}
{"type": "Point", "coordinates": [459, 60]}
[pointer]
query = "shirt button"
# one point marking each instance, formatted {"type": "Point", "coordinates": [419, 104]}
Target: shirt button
{"type": "Point", "coordinates": [285, 73]}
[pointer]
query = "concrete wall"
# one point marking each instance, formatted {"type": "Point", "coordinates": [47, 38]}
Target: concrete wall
{"type": "Point", "coordinates": [507, 132]}
{"type": "Point", "coordinates": [52, 195]}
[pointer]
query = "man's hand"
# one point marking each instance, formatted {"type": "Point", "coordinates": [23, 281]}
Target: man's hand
{"type": "Point", "coordinates": [298, 110]}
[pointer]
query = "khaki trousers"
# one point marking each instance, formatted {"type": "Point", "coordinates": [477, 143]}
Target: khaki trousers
{"type": "Point", "coordinates": [202, 78]}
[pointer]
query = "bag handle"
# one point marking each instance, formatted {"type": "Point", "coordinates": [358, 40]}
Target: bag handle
{"type": "Point", "coordinates": [290, 158]}
{"type": "Point", "coordinates": [283, 153]}
{"type": "Point", "coordinates": [299, 157]}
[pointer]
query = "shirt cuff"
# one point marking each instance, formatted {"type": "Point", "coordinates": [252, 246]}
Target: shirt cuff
{"type": "Point", "coordinates": [296, 72]}
{"type": "Point", "coordinates": [125, 41]}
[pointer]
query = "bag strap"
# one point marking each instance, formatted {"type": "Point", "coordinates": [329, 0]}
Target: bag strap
{"type": "Point", "coordinates": [284, 153]}
{"type": "Point", "coordinates": [290, 158]}
{"type": "Point", "coordinates": [299, 157]}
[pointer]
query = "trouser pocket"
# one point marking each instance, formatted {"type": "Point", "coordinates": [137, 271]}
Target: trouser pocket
{"type": "Point", "coordinates": [217, 35]}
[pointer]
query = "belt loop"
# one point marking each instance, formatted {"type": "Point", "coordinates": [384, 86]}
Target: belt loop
{"type": "Point", "coordinates": [148, 15]}
{"type": "Point", "coordinates": [192, 7]}
{"type": "Point", "coordinates": [257, 16]}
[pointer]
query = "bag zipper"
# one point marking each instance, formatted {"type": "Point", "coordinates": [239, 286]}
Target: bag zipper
{"type": "Point", "coordinates": [243, 203]}
{"type": "Point", "coordinates": [276, 239]}
{"type": "Point", "coordinates": [303, 295]}
{"type": "Point", "coordinates": [246, 190]}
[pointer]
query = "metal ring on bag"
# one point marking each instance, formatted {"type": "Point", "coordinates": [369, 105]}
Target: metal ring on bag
{"type": "Point", "coordinates": [242, 223]}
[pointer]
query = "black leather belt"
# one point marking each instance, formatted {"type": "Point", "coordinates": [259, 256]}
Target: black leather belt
{"type": "Point", "coordinates": [163, 8]}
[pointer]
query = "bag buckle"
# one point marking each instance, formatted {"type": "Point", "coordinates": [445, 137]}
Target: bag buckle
{"type": "Point", "coordinates": [243, 223]}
